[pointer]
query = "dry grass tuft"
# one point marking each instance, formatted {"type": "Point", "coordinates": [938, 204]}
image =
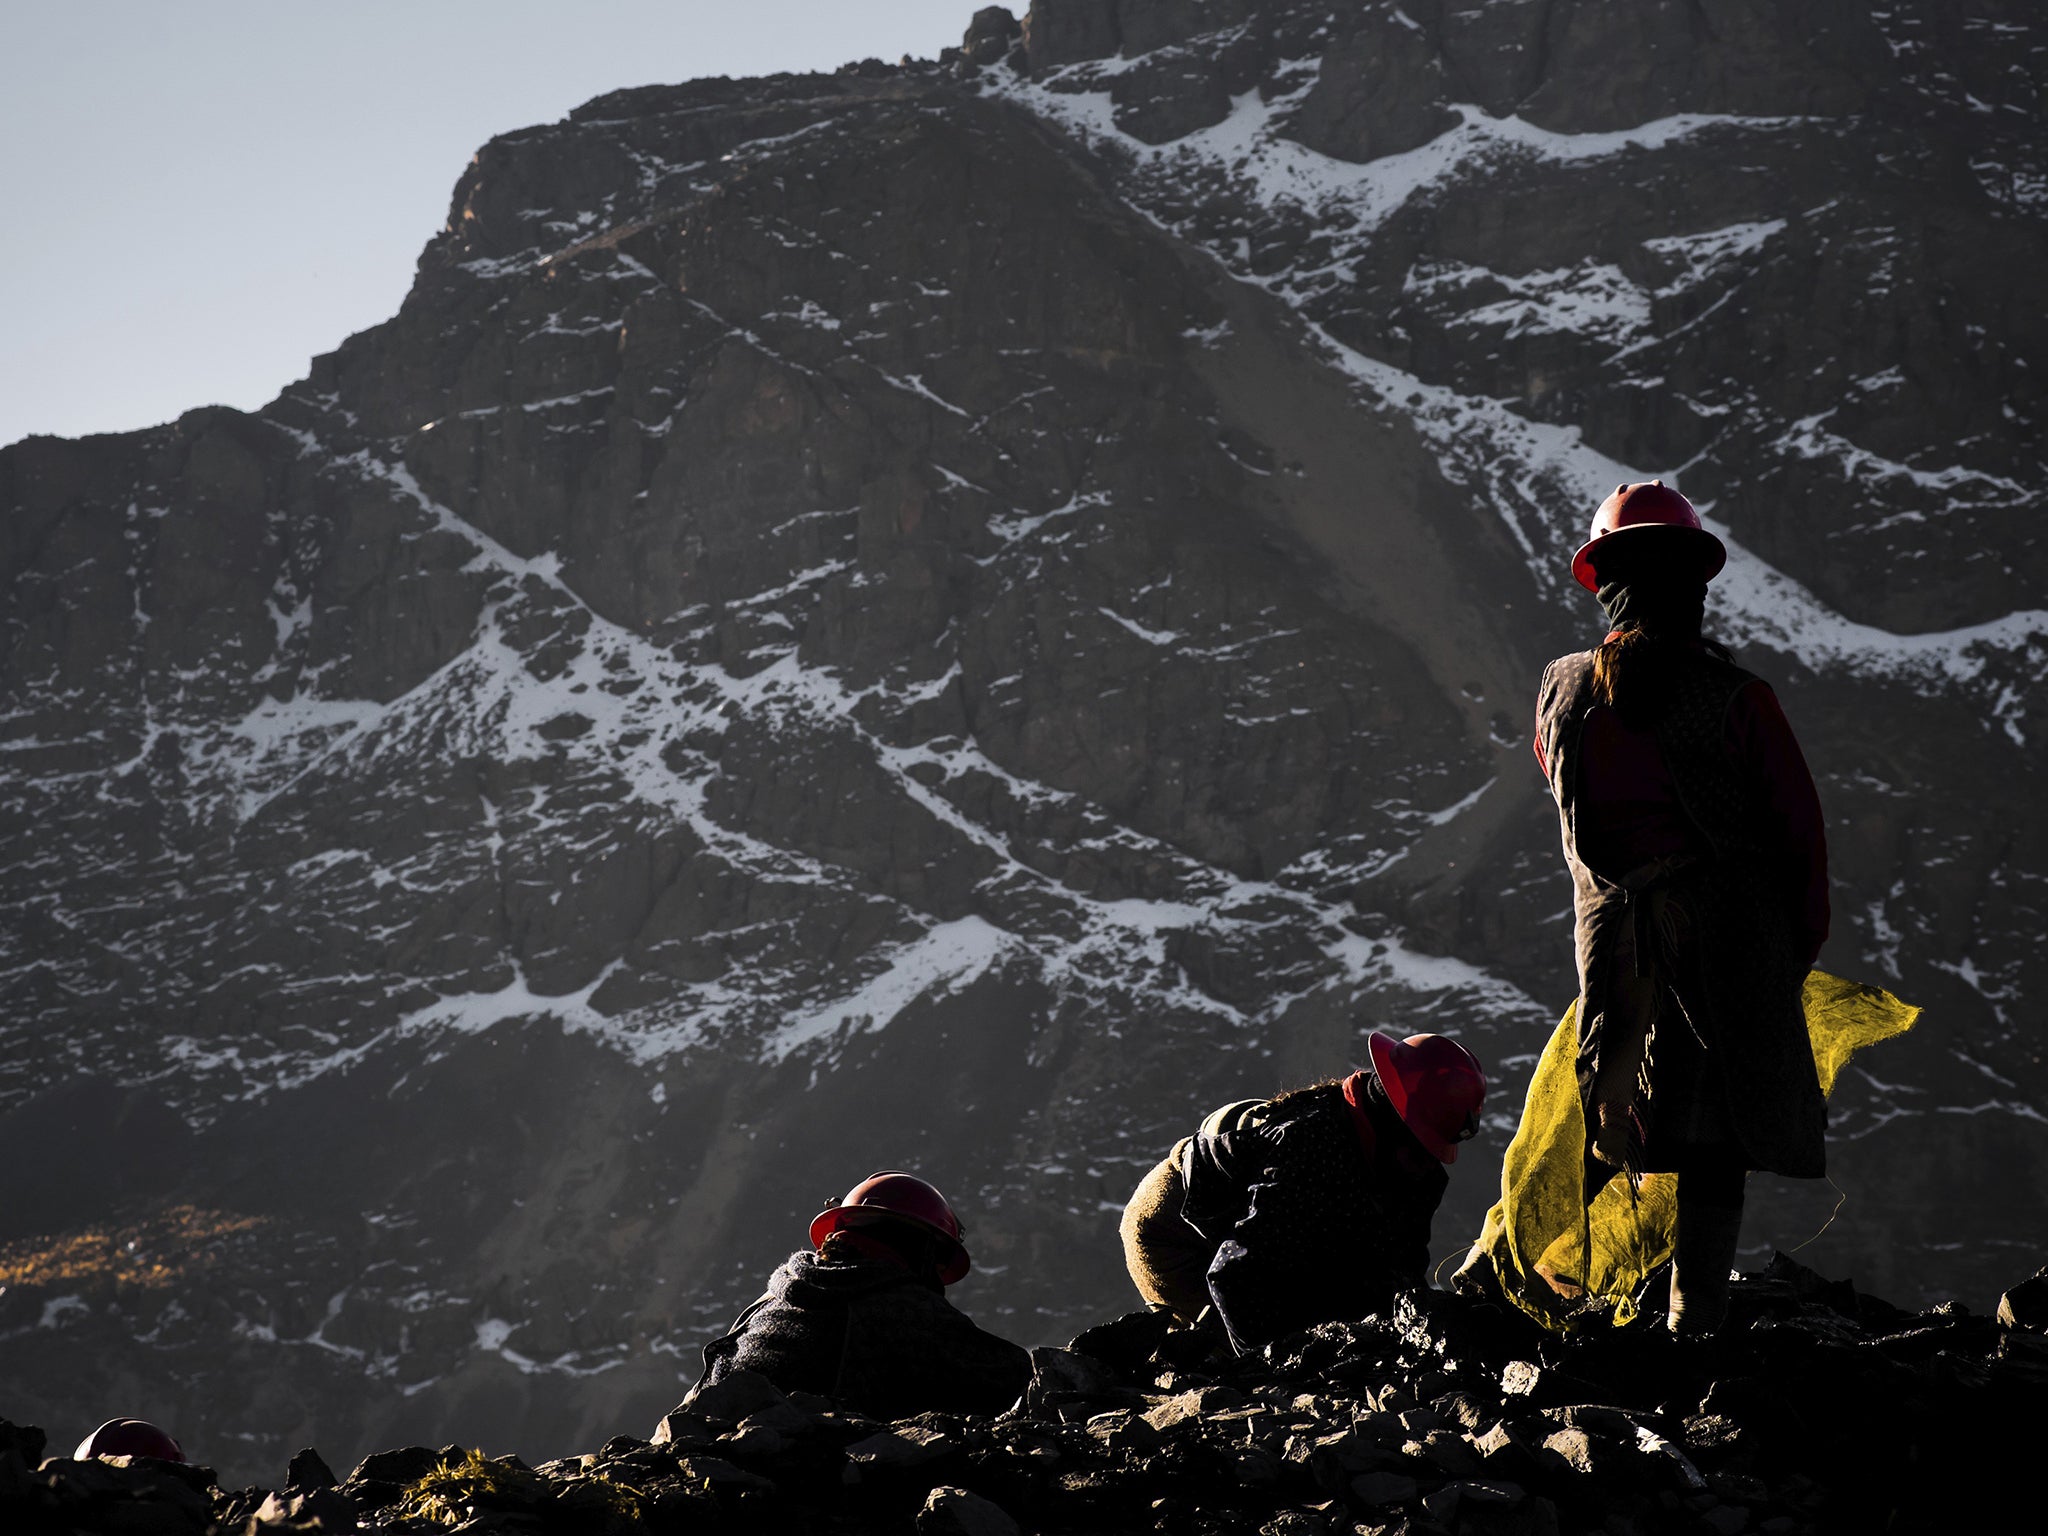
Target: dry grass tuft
{"type": "Point", "coordinates": [152, 1253]}
{"type": "Point", "coordinates": [456, 1493]}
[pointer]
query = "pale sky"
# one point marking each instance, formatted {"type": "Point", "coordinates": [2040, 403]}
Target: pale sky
{"type": "Point", "coordinates": [196, 196]}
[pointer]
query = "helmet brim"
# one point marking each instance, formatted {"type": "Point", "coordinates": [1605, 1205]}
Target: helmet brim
{"type": "Point", "coordinates": [1687, 546]}
{"type": "Point", "coordinates": [952, 1268]}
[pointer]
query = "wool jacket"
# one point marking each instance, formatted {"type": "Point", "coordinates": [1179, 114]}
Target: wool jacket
{"type": "Point", "coordinates": [1629, 812]}
{"type": "Point", "coordinates": [872, 1337]}
{"type": "Point", "coordinates": [1313, 1218]}
{"type": "Point", "coordinates": [1743, 871]}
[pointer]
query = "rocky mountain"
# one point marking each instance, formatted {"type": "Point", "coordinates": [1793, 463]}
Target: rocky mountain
{"type": "Point", "coordinates": [958, 614]}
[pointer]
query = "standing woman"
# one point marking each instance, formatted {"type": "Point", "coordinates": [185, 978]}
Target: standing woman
{"type": "Point", "coordinates": [1699, 883]}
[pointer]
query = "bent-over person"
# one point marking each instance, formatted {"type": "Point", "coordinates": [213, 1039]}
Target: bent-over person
{"type": "Point", "coordinates": [1313, 1206]}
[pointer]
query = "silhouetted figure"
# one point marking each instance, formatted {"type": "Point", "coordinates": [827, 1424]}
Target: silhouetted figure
{"type": "Point", "coordinates": [864, 1318]}
{"type": "Point", "coordinates": [1699, 871]}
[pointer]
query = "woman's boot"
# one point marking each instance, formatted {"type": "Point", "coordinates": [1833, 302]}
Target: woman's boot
{"type": "Point", "coordinates": [1704, 1255]}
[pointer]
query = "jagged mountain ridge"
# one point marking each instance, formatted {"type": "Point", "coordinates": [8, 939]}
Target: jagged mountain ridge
{"type": "Point", "coordinates": [959, 614]}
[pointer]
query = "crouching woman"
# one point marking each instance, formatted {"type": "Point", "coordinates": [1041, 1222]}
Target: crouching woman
{"type": "Point", "coordinates": [862, 1316]}
{"type": "Point", "coordinates": [1310, 1207]}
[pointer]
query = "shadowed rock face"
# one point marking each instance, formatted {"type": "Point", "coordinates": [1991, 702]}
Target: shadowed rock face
{"type": "Point", "coordinates": [956, 616]}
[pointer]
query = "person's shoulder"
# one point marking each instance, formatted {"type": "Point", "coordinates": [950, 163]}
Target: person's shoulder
{"type": "Point", "coordinates": [1756, 719]}
{"type": "Point", "coordinates": [913, 1305]}
{"type": "Point", "coordinates": [1566, 670]}
{"type": "Point", "coordinates": [1755, 696]}
{"type": "Point", "coordinates": [794, 1272]}
{"type": "Point", "coordinates": [1716, 662]}
{"type": "Point", "coordinates": [1711, 680]}
{"type": "Point", "coordinates": [807, 1275]}
{"type": "Point", "coordinates": [1237, 1115]}
{"type": "Point", "coordinates": [1307, 1113]}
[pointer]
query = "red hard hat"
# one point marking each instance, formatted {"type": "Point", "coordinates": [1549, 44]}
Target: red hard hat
{"type": "Point", "coordinates": [1643, 505]}
{"type": "Point", "coordinates": [904, 1197]}
{"type": "Point", "coordinates": [129, 1437]}
{"type": "Point", "coordinates": [1435, 1086]}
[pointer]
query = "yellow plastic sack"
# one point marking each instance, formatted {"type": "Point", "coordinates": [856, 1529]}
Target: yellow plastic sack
{"type": "Point", "coordinates": [1563, 1262]}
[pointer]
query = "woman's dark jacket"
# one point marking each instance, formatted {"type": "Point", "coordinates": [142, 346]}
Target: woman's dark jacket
{"type": "Point", "coordinates": [1310, 1223]}
{"type": "Point", "coordinates": [1714, 801]}
{"type": "Point", "coordinates": [872, 1337]}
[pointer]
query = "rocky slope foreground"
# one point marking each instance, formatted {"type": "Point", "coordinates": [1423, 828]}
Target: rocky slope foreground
{"type": "Point", "coordinates": [1820, 1410]}
{"type": "Point", "coordinates": [958, 615]}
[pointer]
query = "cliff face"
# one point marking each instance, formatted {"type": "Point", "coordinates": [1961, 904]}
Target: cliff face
{"type": "Point", "coordinates": [958, 615]}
